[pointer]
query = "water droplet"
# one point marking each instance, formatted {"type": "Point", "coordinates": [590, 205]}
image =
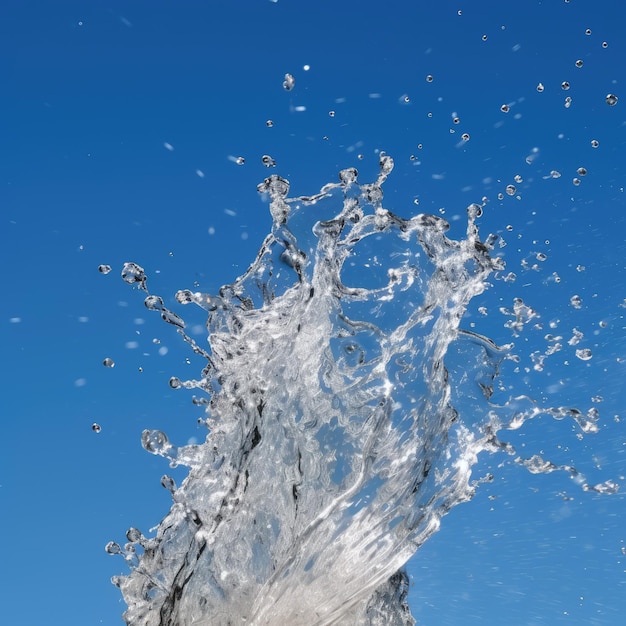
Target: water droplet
{"type": "Point", "coordinates": [588, 31]}
{"type": "Point", "coordinates": [386, 164]}
{"type": "Point", "coordinates": [108, 362]}
{"type": "Point", "coordinates": [565, 85]}
{"type": "Point", "coordinates": [332, 113]}
{"type": "Point", "coordinates": [113, 548]}
{"type": "Point", "coordinates": [568, 102]}
{"type": "Point", "coordinates": [484, 37]}
{"type": "Point", "coordinates": [133, 273]}
{"type": "Point", "coordinates": [505, 108]}
{"type": "Point", "coordinates": [465, 137]}
{"type": "Point", "coordinates": [269, 123]}
{"type": "Point", "coordinates": [429, 78]}
{"type": "Point", "coordinates": [289, 83]}
{"type": "Point", "coordinates": [576, 181]}
{"type": "Point", "coordinates": [134, 535]}
{"type": "Point", "coordinates": [154, 303]}
{"type": "Point", "coordinates": [240, 160]}
{"type": "Point", "coordinates": [582, 171]}
{"type": "Point", "coordinates": [517, 178]}
{"type": "Point", "coordinates": [510, 190]}
{"type": "Point", "coordinates": [167, 482]}
{"type": "Point", "coordinates": [579, 63]}
{"type": "Point", "coordinates": [267, 160]}
{"type": "Point", "coordinates": [584, 354]}
{"type": "Point", "coordinates": [456, 120]}
{"type": "Point", "coordinates": [611, 99]}
{"type": "Point", "coordinates": [155, 441]}
{"type": "Point", "coordinates": [576, 301]}
{"type": "Point", "coordinates": [348, 175]}
{"type": "Point", "coordinates": [175, 383]}
{"type": "Point", "coordinates": [605, 44]}
{"type": "Point", "coordinates": [104, 269]}
{"type": "Point", "coordinates": [96, 427]}
{"type": "Point", "coordinates": [595, 143]}
{"type": "Point", "coordinates": [540, 87]}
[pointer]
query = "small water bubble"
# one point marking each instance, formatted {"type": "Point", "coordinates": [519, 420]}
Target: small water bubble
{"type": "Point", "coordinates": [240, 160]}
{"type": "Point", "coordinates": [588, 31]}
{"type": "Point", "coordinates": [540, 87]}
{"type": "Point", "coordinates": [108, 362]}
{"type": "Point", "coordinates": [576, 181]}
{"type": "Point", "coordinates": [595, 143]}
{"type": "Point", "coordinates": [605, 44]}
{"type": "Point", "coordinates": [429, 78]}
{"type": "Point", "coordinates": [510, 190]}
{"type": "Point", "coordinates": [517, 178]}
{"type": "Point", "coordinates": [611, 99]}
{"type": "Point", "coordinates": [456, 120]}
{"type": "Point", "coordinates": [579, 63]}
{"type": "Point", "coordinates": [268, 161]}
{"type": "Point", "coordinates": [582, 171]}
{"type": "Point", "coordinates": [331, 113]}
{"type": "Point", "coordinates": [580, 268]}
{"type": "Point", "coordinates": [565, 85]}
{"type": "Point", "coordinates": [484, 37]}
{"type": "Point", "coordinates": [576, 301]}
{"type": "Point", "coordinates": [465, 137]}
{"type": "Point", "coordinates": [269, 123]}
{"type": "Point", "coordinates": [505, 108]}
{"type": "Point", "coordinates": [289, 83]}
{"type": "Point", "coordinates": [104, 269]}
{"type": "Point", "coordinates": [96, 427]}
{"type": "Point", "coordinates": [584, 354]}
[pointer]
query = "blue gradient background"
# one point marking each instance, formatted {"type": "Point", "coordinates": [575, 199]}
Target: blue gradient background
{"type": "Point", "coordinates": [91, 93]}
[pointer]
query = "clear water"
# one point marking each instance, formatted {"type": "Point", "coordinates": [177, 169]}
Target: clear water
{"type": "Point", "coordinates": [345, 406]}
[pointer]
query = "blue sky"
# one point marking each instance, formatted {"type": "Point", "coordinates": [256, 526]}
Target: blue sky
{"type": "Point", "coordinates": [121, 122]}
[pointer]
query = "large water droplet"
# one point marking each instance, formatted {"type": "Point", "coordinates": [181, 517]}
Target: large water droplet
{"type": "Point", "coordinates": [155, 441]}
{"type": "Point", "coordinates": [113, 548]}
{"type": "Point", "coordinates": [133, 273]}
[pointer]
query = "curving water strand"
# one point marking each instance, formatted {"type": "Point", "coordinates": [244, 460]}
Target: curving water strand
{"type": "Point", "coordinates": [333, 446]}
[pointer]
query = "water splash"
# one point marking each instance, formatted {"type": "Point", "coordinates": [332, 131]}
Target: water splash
{"type": "Point", "coordinates": [336, 442]}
